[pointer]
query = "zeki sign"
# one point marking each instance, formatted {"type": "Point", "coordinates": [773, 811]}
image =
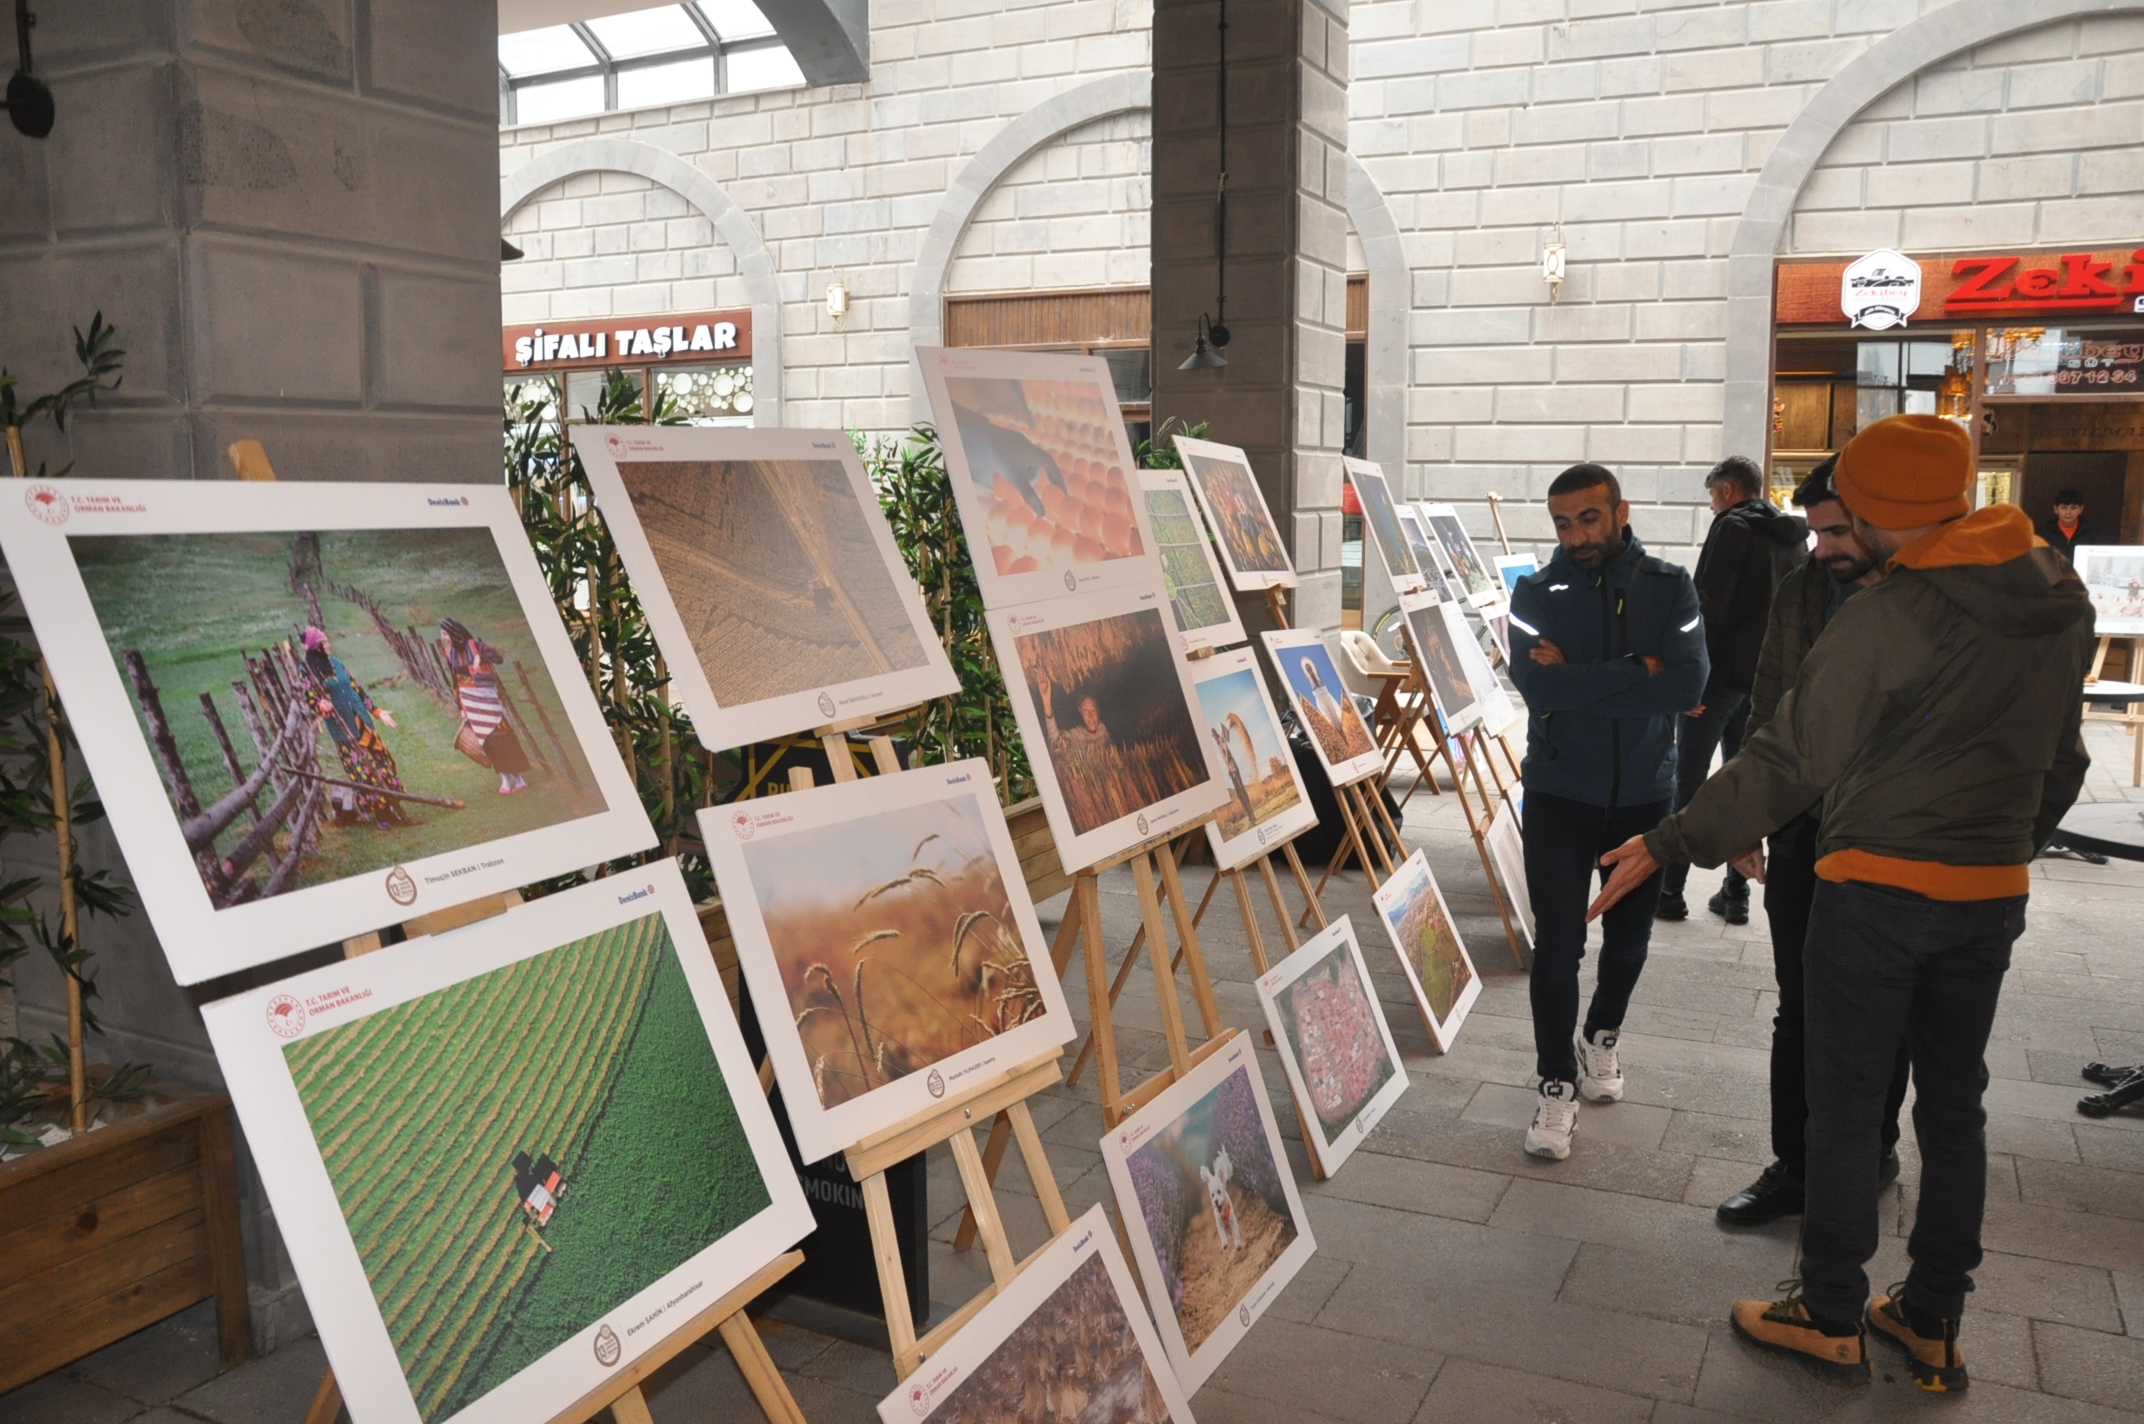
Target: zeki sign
{"type": "Point", "coordinates": [1880, 290]}
{"type": "Point", "coordinates": [624, 341]}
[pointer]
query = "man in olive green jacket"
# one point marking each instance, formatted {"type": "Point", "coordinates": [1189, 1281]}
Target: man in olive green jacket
{"type": "Point", "coordinates": [1937, 721]}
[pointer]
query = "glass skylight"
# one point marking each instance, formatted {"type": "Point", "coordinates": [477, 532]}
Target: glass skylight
{"type": "Point", "coordinates": [667, 54]}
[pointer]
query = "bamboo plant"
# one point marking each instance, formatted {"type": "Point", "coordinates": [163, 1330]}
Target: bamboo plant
{"type": "Point", "coordinates": [38, 796]}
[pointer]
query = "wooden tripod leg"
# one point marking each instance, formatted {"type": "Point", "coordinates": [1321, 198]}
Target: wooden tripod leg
{"type": "Point", "coordinates": [1351, 842]}
{"type": "Point", "coordinates": [758, 1368]}
{"type": "Point", "coordinates": [1116, 992]}
{"type": "Point", "coordinates": [1088, 896]}
{"type": "Point", "coordinates": [1250, 919]}
{"type": "Point", "coordinates": [1374, 798]}
{"type": "Point", "coordinates": [631, 1407]}
{"type": "Point", "coordinates": [1302, 880]}
{"type": "Point", "coordinates": [984, 1204]}
{"type": "Point", "coordinates": [1172, 1012]}
{"type": "Point", "coordinates": [327, 1401]}
{"type": "Point", "coordinates": [892, 1279]}
{"type": "Point", "coordinates": [993, 1158]}
{"type": "Point", "coordinates": [1198, 916]}
{"type": "Point", "coordinates": [1038, 1168]}
{"type": "Point", "coordinates": [1280, 906]}
{"type": "Point", "coordinates": [1187, 937]}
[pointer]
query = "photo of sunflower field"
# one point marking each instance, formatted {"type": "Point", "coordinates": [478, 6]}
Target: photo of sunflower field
{"type": "Point", "coordinates": [518, 1154]}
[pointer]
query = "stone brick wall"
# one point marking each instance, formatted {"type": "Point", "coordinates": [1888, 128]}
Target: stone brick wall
{"type": "Point", "coordinates": [1072, 214]}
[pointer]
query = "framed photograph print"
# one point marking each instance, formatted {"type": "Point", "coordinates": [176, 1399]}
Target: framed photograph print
{"type": "Point", "coordinates": [1042, 472]}
{"type": "Point", "coordinates": [1334, 1043]}
{"type": "Point", "coordinates": [1267, 801]}
{"type": "Point", "coordinates": [509, 1160]}
{"type": "Point", "coordinates": [1205, 612]}
{"type": "Point", "coordinates": [1209, 1204]}
{"type": "Point", "coordinates": [769, 576]}
{"type": "Point", "coordinates": [1510, 568]}
{"type": "Point", "coordinates": [1439, 970]}
{"type": "Point", "coordinates": [1428, 555]}
{"type": "Point", "coordinates": [1250, 543]}
{"type": "Point", "coordinates": [2113, 577]}
{"type": "Point", "coordinates": [1104, 704]}
{"type": "Point", "coordinates": [1482, 586]}
{"type": "Point", "coordinates": [1436, 630]}
{"type": "Point", "coordinates": [1507, 848]}
{"type": "Point", "coordinates": [1321, 702]}
{"type": "Point", "coordinates": [1070, 1327]}
{"type": "Point", "coordinates": [312, 710]}
{"type": "Point", "coordinates": [1381, 525]}
{"type": "Point", "coordinates": [886, 933]}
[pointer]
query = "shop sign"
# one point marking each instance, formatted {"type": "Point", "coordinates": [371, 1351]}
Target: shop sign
{"type": "Point", "coordinates": [1959, 287]}
{"type": "Point", "coordinates": [627, 341]}
{"type": "Point", "coordinates": [1881, 290]}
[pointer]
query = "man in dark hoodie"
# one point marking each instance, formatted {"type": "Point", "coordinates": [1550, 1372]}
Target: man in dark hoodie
{"type": "Point", "coordinates": [1749, 547]}
{"type": "Point", "coordinates": [1937, 721]}
{"type": "Point", "coordinates": [1607, 650]}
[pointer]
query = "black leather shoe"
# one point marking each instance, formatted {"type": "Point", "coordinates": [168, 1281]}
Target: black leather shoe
{"type": "Point", "coordinates": [1774, 1194]}
{"type": "Point", "coordinates": [1887, 1168]}
{"type": "Point", "coordinates": [1672, 907]}
{"type": "Point", "coordinates": [1732, 908]}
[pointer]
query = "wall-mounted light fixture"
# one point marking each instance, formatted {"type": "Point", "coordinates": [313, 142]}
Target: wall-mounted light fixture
{"type": "Point", "coordinates": [1213, 333]}
{"type": "Point", "coordinates": [837, 301]}
{"type": "Point", "coordinates": [1552, 264]}
{"type": "Point", "coordinates": [29, 100]}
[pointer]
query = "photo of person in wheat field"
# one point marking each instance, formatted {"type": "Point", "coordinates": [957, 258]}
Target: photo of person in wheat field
{"type": "Point", "coordinates": [1214, 1210]}
{"type": "Point", "coordinates": [1240, 517]}
{"type": "Point", "coordinates": [326, 705]}
{"type": "Point", "coordinates": [1111, 705]}
{"type": "Point", "coordinates": [1074, 1360]}
{"type": "Point", "coordinates": [896, 940]}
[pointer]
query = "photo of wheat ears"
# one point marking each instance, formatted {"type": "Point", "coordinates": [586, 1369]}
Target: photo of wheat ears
{"type": "Point", "coordinates": [896, 941]}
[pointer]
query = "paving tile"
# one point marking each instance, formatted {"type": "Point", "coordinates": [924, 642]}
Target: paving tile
{"type": "Point", "coordinates": [2052, 1234]}
{"type": "Point", "coordinates": [2085, 1364]}
{"type": "Point", "coordinates": [1468, 1392]}
{"type": "Point", "coordinates": [2109, 1147]}
{"type": "Point", "coordinates": [2078, 1188]}
{"type": "Point", "coordinates": [264, 1392]}
{"type": "Point", "coordinates": [2129, 1294]}
{"type": "Point", "coordinates": [1216, 1403]}
{"type": "Point", "coordinates": [2046, 1290]}
{"type": "Point", "coordinates": [1624, 1124]}
{"type": "Point", "coordinates": [2042, 1139]}
{"type": "Point", "coordinates": [161, 1362]}
{"type": "Point", "coordinates": [1997, 1347]}
{"type": "Point", "coordinates": [1410, 1185]}
{"type": "Point", "coordinates": [1328, 1372]}
{"type": "Point", "coordinates": [61, 1396]}
{"type": "Point", "coordinates": [1306, 1295]}
{"type": "Point", "coordinates": [1703, 1134]}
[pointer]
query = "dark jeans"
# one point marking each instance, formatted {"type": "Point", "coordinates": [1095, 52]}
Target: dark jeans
{"type": "Point", "coordinates": [1696, 738]}
{"type": "Point", "coordinates": [1789, 890]}
{"type": "Point", "coordinates": [1564, 844]}
{"type": "Point", "coordinates": [1888, 966]}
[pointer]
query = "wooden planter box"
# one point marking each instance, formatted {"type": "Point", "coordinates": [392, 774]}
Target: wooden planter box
{"type": "Point", "coordinates": [118, 1228]}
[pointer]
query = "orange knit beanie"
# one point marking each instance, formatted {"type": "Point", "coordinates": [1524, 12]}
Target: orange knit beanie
{"type": "Point", "coordinates": [1907, 470]}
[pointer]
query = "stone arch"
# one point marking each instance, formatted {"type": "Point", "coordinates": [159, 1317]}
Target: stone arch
{"type": "Point", "coordinates": [754, 263]}
{"type": "Point", "coordinates": [1391, 283]}
{"type": "Point", "coordinates": [1934, 37]}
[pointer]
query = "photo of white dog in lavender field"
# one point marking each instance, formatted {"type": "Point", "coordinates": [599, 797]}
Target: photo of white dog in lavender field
{"type": "Point", "coordinates": [1214, 1206]}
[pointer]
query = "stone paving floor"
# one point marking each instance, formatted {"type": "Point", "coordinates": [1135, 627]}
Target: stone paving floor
{"type": "Point", "coordinates": [1457, 1279]}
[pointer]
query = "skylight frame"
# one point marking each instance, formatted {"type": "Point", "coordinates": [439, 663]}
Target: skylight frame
{"type": "Point", "coordinates": [607, 66]}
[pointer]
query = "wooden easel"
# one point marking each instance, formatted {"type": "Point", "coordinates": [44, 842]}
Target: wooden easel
{"type": "Point", "coordinates": [1002, 1098]}
{"type": "Point", "coordinates": [621, 1394]}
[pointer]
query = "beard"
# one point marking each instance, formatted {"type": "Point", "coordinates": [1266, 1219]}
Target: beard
{"type": "Point", "coordinates": [1847, 569]}
{"type": "Point", "coordinates": [1591, 556]}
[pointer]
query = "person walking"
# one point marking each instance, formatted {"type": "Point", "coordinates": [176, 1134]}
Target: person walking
{"type": "Point", "coordinates": [1608, 650]}
{"type": "Point", "coordinates": [1839, 567]}
{"type": "Point", "coordinates": [2066, 529]}
{"type": "Point", "coordinates": [1749, 547]}
{"type": "Point", "coordinates": [1937, 720]}
{"type": "Point", "coordinates": [474, 666]}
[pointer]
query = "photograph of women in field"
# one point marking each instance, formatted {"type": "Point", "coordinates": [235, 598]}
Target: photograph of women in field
{"type": "Point", "coordinates": [1236, 508]}
{"type": "Point", "coordinates": [1209, 1204]}
{"type": "Point", "coordinates": [1322, 704]}
{"type": "Point", "coordinates": [484, 1161]}
{"type": "Point", "coordinates": [1198, 596]}
{"type": "Point", "coordinates": [1106, 716]}
{"type": "Point", "coordinates": [1335, 1045]}
{"type": "Point", "coordinates": [1066, 1342]}
{"type": "Point", "coordinates": [1264, 788]}
{"type": "Point", "coordinates": [318, 705]}
{"type": "Point", "coordinates": [1438, 966]}
{"type": "Point", "coordinates": [897, 942]}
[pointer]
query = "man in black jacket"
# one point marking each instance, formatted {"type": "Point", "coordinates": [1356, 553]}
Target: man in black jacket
{"type": "Point", "coordinates": [1748, 548]}
{"type": "Point", "coordinates": [1606, 648]}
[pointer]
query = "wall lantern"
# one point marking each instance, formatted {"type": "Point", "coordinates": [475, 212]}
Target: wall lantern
{"type": "Point", "coordinates": [837, 301]}
{"type": "Point", "coordinates": [29, 100]}
{"type": "Point", "coordinates": [1552, 264]}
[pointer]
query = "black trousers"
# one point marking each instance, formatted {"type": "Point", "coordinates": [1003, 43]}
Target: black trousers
{"type": "Point", "coordinates": [1564, 844]}
{"type": "Point", "coordinates": [1789, 891]}
{"type": "Point", "coordinates": [1717, 728]}
{"type": "Point", "coordinates": [1888, 966]}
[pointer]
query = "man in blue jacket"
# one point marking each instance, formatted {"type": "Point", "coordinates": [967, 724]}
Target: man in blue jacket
{"type": "Point", "coordinates": [1608, 650]}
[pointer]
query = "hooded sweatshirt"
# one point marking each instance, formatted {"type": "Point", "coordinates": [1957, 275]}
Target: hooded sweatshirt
{"type": "Point", "coordinates": [1936, 719]}
{"type": "Point", "coordinates": [1747, 551]}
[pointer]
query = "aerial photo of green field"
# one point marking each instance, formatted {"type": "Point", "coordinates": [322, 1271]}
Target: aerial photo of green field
{"type": "Point", "coordinates": [593, 1056]}
{"type": "Point", "coordinates": [207, 611]}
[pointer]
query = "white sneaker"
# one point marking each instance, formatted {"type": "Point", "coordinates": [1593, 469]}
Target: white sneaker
{"type": "Point", "coordinates": [1600, 1072]}
{"type": "Point", "coordinates": [1555, 1120]}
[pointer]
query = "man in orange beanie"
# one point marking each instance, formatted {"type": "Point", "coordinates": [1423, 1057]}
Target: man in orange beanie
{"type": "Point", "coordinates": [1937, 721]}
